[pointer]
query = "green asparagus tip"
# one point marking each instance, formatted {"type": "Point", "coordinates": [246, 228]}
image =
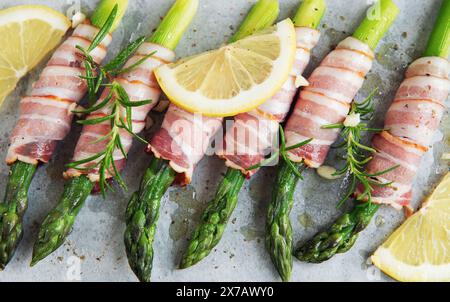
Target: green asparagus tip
{"type": "Point", "coordinates": [58, 223]}
{"type": "Point", "coordinates": [262, 15]}
{"type": "Point", "coordinates": [173, 26]}
{"type": "Point", "coordinates": [439, 42]}
{"type": "Point", "coordinates": [378, 20]}
{"type": "Point", "coordinates": [103, 10]}
{"type": "Point", "coordinates": [310, 13]}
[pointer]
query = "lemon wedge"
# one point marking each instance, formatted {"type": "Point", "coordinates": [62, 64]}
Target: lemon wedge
{"type": "Point", "coordinates": [235, 78]}
{"type": "Point", "coordinates": [419, 250]}
{"type": "Point", "coordinates": [29, 33]}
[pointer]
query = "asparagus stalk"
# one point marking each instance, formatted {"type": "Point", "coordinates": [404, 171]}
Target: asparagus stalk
{"type": "Point", "coordinates": [278, 225]}
{"type": "Point", "coordinates": [341, 236]}
{"type": "Point", "coordinates": [13, 208]}
{"type": "Point", "coordinates": [58, 224]}
{"type": "Point", "coordinates": [142, 215]}
{"type": "Point", "coordinates": [143, 208]}
{"type": "Point", "coordinates": [15, 203]}
{"type": "Point", "coordinates": [214, 219]}
{"type": "Point", "coordinates": [213, 222]}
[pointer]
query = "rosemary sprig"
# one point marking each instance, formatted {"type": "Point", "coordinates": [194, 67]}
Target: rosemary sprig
{"type": "Point", "coordinates": [117, 103]}
{"type": "Point", "coordinates": [282, 151]}
{"type": "Point", "coordinates": [356, 153]}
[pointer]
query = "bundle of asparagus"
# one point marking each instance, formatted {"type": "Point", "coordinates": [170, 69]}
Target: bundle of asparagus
{"type": "Point", "coordinates": [143, 209]}
{"type": "Point", "coordinates": [215, 217]}
{"type": "Point", "coordinates": [46, 116]}
{"type": "Point", "coordinates": [419, 103]}
{"type": "Point", "coordinates": [112, 122]}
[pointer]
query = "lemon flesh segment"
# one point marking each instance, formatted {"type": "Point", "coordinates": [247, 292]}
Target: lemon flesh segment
{"type": "Point", "coordinates": [234, 78]}
{"type": "Point", "coordinates": [419, 250]}
{"type": "Point", "coordinates": [30, 32]}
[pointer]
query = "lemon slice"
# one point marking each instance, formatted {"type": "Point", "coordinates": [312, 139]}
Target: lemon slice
{"type": "Point", "coordinates": [234, 78]}
{"type": "Point", "coordinates": [29, 33]}
{"type": "Point", "coordinates": [419, 250]}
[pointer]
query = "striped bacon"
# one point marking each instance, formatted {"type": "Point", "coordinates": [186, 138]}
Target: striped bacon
{"type": "Point", "coordinates": [46, 115]}
{"type": "Point", "coordinates": [412, 120]}
{"type": "Point", "coordinates": [140, 84]}
{"type": "Point", "coordinates": [183, 140]}
{"type": "Point", "coordinates": [252, 135]}
{"type": "Point", "coordinates": [332, 87]}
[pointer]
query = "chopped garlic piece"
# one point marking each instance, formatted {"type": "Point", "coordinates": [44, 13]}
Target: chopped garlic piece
{"type": "Point", "coordinates": [76, 107]}
{"type": "Point", "coordinates": [445, 156]}
{"type": "Point", "coordinates": [77, 19]}
{"type": "Point", "coordinates": [300, 81]}
{"type": "Point", "coordinates": [327, 172]}
{"type": "Point", "coordinates": [161, 106]}
{"type": "Point", "coordinates": [352, 120]}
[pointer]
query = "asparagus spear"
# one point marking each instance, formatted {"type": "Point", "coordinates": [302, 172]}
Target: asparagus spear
{"type": "Point", "coordinates": [13, 208]}
{"type": "Point", "coordinates": [58, 223]}
{"type": "Point", "coordinates": [143, 208]}
{"type": "Point", "coordinates": [15, 202]}
{"type": "Point", "coordinates": [215, 217]}
{"type": "Point", "coordinates": [343, 233]}
{"type": "Point", "coordinates": [278, 225]}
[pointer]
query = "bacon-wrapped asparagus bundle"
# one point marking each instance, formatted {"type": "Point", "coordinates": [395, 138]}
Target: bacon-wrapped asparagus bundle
{"type": "Point", "coordinates": [177, 148]}
{"type": "Point", "coordinates": [251, 137]}
{"type": "Point", "coordinates": [46, 116]}
{"type": "Point", "coordinates": [98, 156]}
{"type": "Point", "coordinates": [332, 87]}
{"type": "Point", "coordinates": [411, 121]}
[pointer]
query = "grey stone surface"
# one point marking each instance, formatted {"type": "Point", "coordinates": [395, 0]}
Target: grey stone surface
{"type": "Point", "coordinates": [96, 242]}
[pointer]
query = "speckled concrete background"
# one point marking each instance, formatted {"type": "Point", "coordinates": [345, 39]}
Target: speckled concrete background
{"type": "Point", "coordinates": [95, 250]}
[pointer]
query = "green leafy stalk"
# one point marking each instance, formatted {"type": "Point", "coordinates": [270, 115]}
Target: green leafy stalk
{"type": "Point", "coordinates": [262, 15]}
{"type": "Point", "coordinates": [175, 23]}
{"type": "Point", "coordinates": [214, 219]}
{"type": "Point", "coordinates": [142, 215]}
{"type": "Point", "coordinates": [101, 14]}
{"type": "Point", "coordinates": [310, 13]}
{"type": "Point", "coordinates": [278, 225]}
{"type": "Point", "coordinates": [58, 223]}
{"type": "Point", "coordinates": [341, 236]}
{"type": "Point", "coordinates": [13, 208]}
{"type": "Point", "coordinates": [439, 42]}
{"type": "Point", "coordinates": [377, 22]}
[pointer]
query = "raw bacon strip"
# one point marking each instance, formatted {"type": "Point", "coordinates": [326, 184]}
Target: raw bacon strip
{"type": "Point", "coordinates": [183, 140]}
{"type": "Point", "coordinates": [253, 133]}
{"type": "Point", "coordinates": [46, 115]}
{"type": "Point", "coordinates": [392, 151]}
{"type": "Point", "coordinates": [332, 87]}
{"type": "Point", "coordinates": [420, 101]}
{"type": "Point", "coordinates": [140, 84]}
{"type": "Point", "coordinates": [412, 121]}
